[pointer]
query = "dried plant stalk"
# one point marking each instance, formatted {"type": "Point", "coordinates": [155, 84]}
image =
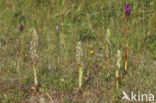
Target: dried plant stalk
{"type": "Point", "coordinates": [79, 55]}
{"type": "Point", "coordinates": [34, 54]}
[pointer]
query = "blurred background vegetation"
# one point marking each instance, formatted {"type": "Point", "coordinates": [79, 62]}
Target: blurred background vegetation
{"type": "Point", "coordinates": [86, 21]}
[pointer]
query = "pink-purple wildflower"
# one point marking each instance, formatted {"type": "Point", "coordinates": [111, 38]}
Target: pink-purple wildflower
{"type": "Point", "coordinates": [57, 27]}
{"type": "Point", "coordinates": [21, 27]}
{"type": "Point", "coordinates": [127, 10]}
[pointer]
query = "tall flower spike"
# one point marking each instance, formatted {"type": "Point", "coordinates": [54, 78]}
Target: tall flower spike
{"type": "Point", "coordinates": [108, 35]}
{"type": "Point", "coordinates": [34, 54]}
{"type": "Point", "coordinates": [79, 55]}
{"type": "Point", "coordinates": [118, 59]}
{"type": "Point", "coordinates": [33, 46]}
{"type": "Point", "coordinates": [108, 43]}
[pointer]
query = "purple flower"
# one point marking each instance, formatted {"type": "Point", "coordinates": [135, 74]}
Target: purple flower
{"type": "Point", "coordinates": [57, 27]}
{"type": "Point", "coordinates": [127, 10]}
{"type": "Point", "coordinates": [21, 27]}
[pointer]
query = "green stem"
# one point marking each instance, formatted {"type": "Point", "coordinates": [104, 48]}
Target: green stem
{"type": "Point", "coordinates": [80, 76]}
{"type": "Point", "coordinates": [35, 74]}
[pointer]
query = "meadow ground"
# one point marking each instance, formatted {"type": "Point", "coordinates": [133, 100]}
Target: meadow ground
{"type": "Point", "coordinates": [102, 29]}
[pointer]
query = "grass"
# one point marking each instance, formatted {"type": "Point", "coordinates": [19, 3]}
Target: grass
{"type": "Point", "coordinates": [86, 21]}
